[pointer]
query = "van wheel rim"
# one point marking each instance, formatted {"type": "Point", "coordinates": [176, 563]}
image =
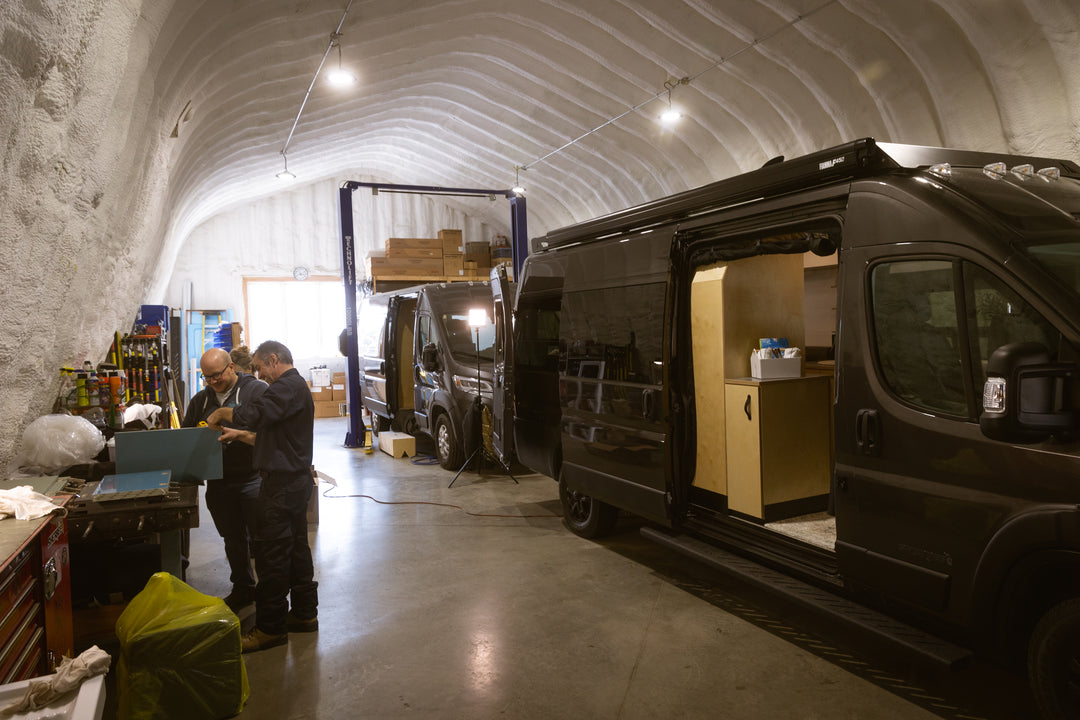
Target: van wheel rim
{"type": "Point", "coordinates": [579, 505]}
{"type": "Point", "coordinates": [444, 441]}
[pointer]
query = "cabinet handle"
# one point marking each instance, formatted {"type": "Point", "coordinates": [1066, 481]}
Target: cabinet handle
{"type": "Point", "coordinates": [746, 408]}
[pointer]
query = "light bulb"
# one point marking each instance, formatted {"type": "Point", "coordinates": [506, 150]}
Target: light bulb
{"type": "Point", "coordinates": [340, 77]}
{"type": "Point", "coordinates": [670, 116]}
{"type": "Point", "coordinates": [286, 176]}
{"type": "Point", "coordinates": [517, 190]}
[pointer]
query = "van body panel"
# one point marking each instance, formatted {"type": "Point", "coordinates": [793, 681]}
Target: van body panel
{"type": "Point", "coordinates": [537, 351]}
{"type": "Point", "coordinates": [502, 401]}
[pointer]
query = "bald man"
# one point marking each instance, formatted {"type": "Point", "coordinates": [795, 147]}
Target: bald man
{"type": "Point", "coordinates": [233, 501]}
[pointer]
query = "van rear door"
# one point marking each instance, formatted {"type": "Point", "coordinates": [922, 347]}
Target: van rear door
{"type": "Point", "coordinates": [502, 404]}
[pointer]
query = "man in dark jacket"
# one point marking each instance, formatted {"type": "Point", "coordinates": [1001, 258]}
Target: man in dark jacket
{"type": "Point", "coordinates": [232, 500]}
{"type": "Point", "coordinates": [283, 421]}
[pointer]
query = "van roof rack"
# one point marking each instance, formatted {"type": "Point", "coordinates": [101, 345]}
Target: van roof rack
{"type": "Point", "coordinates": [851, 160]}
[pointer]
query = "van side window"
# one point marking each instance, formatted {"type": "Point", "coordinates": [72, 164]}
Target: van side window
{"type": "Point", "coordinates": [536, 328]}
{"type": "Point", "coordinates": [1001, 317]}
{"type": "Point", "coordinates": [917, 336]}
{"type": "Point", "coordinates": [614, 333]}
{"type": "Point", "coordinates": [423, 333]}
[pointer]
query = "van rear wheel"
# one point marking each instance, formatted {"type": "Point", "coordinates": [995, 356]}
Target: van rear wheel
{"type": "Point", "coordinates": [584, 515]}
{"type": "Point", "coordinates": [379, 424]}
{"type": "Point", "coordinates": [447, 447]}
{"type": "Point", "coordinates": [1054, 661]}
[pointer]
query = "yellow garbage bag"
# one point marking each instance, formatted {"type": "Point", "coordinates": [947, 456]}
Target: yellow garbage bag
{"type": "Point", "coordinates": [180, 655]}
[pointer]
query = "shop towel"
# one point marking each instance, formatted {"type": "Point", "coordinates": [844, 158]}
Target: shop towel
{"type": "Point", "coordinates": [24, 503]}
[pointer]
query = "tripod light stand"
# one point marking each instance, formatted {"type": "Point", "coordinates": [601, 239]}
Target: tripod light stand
{"type": "Point", "coordinates": [477, 319]}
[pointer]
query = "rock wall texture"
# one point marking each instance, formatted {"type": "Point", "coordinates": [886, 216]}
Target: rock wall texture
{"type": "Point", "coordinates": [81, 189]}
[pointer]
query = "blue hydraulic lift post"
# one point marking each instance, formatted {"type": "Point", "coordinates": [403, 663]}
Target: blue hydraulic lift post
{"type": "Point", "coordinates": [519, 243]}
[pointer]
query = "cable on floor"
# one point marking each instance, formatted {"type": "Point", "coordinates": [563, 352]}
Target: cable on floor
{"type": "Point", "coordinates": [436, 504]}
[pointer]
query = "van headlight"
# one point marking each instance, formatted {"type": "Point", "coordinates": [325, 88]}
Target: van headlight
{"type": "Point", "coordinates": [471, 384]}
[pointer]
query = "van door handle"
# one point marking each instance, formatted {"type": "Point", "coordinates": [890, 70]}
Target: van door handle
{"type": "Point", "coordinates": [648, 404]}
{"type": "Point", "coordinates": [866, 431]}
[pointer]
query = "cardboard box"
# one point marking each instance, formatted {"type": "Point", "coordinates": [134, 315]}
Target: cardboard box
{"type": "Point", "coordinates": [765, 368]}
{"type": "Point", "coordinates": [397, 444]}
{"type": "Point", "coordinates": [339, 392]}
{"type": "Point", "coordinates": [406, 267]}
{"type": "Point", "coordinates": [452, 242]}
{"type": "Point", "coordinates": [452, 265]}
{"type": "Point", "coordinates": [414, 248]}
{"type": "Point", "coordinates": [479, 253]}
{"type": "Point", "coordinates": [339, 378]}
{"type": "Point", "coordinates": [327, 408]}
{"type": "Point", "coordinates": [322, 393]}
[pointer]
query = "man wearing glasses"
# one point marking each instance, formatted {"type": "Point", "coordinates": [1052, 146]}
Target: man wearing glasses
{"type": "Point", "coordinates": [233, 500]}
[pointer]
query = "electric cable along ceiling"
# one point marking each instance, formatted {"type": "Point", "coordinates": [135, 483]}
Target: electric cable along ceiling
{"type": "Point", "coordinates": [466, 92]}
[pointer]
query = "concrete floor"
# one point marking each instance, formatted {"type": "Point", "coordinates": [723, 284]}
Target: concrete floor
{"type": "Point", "coordinates": [428, 612]}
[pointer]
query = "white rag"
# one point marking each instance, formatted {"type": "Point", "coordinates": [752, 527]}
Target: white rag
{"type": "Point", "coordinates": [68, 677]}
{"type": "Point", "coordinates": [25, 503]}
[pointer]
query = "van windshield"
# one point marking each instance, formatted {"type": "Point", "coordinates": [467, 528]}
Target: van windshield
{"type": "Point", "coordinates": [1062, 258]}
{"type": "Point", "coordinates": [462, 339]}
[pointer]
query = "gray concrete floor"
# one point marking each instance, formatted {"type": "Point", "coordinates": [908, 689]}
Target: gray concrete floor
{"type": "Point", "coordinates": [429, 612]}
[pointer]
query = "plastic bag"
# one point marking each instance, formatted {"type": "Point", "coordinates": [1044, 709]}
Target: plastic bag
{"type": "Point", "coordinates": [180, 655]}
{"type": "Point", "coordinates": [54, 442]}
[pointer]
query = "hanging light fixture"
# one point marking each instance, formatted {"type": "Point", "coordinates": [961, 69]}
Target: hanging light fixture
{"type": "Point", "coordinates": [339, 76]}
{"type": "Point", "coordinates": [285, 175]}
{"type": "Point", "coordinates": [517, 189]}
{"type": "Point", "coordinates": [672, 115]}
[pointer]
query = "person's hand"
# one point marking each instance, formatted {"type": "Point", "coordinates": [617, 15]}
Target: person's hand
{"type": "Point", "coordinates": [229, 434]}
{"type": "Point", "coordinates": [223, 414]}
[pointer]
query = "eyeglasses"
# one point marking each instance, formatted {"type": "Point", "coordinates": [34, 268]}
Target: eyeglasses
{"type": "Point", "coordinates": [217, 375]}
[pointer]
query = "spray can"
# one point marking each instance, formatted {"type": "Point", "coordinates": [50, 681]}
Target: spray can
{"type": "Point", "coordinates": [104, 398]}
{"type": "Point", "coordinates": [82, 400]}
{"type": "Point", "coordinates": [116, 397]}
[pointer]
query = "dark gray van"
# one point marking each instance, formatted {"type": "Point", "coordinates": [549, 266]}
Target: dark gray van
{"type": "Point", "coordinates": [925, 464]}
{"type": "Point", "coordinates": [422, 364]}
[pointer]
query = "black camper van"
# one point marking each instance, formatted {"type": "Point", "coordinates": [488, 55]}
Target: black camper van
{"type": "Point", "coordinates": [423, 364]}
{"type": "Point", "coordinates": [921, 457]}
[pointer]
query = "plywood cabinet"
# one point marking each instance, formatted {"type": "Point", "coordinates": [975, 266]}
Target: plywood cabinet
{"type": "Point", "coordinates": [778, 442]}
{"type": "Point", "coordinates": [733, 304]}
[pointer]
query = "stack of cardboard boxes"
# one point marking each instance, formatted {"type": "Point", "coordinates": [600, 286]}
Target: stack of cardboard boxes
{"type": "Point", "coordinates": [445, 258]}
{"type": "Point", "coordinates": [328, 392]}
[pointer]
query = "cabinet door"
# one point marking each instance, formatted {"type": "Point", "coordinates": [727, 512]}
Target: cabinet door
{"type": "Point", "coordinates": [742, 405]}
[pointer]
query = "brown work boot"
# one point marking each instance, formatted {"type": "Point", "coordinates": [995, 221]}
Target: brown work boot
{"type": "Point", "coordinates": [256, 640]}
{"type": "Point", "coordinates": [301, 625]}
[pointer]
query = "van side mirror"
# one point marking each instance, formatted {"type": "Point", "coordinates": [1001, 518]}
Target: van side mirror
{"type": "Point", "coordinates": [429, 358]}
{"type": "Point", "coordinates": [1026, 397]}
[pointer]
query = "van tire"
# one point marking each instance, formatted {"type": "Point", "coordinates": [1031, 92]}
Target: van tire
{"type": "Point", "coordinates": [584, 515]}
{"type": "Point", "coordinates": [379, 424]}
{"type": "Point", "coordinates": [1054, 661]}
{"type": "Point", "coordinates": [447, 447]}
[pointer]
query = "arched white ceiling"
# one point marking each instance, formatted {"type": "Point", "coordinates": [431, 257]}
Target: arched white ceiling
{"type": "Point", "coordinates": [127, 123]}
{"type": "Point", "coordinates": [458, 93]}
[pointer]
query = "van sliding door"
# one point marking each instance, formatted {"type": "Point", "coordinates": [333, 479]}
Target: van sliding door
{"type": "Point", "coordinates": [502, 431]}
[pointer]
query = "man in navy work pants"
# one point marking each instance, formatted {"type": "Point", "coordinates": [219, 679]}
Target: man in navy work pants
{"type": "Point", "coordinates": [233, 500]}
{"type": "Point", "coordinates": [283, 421]}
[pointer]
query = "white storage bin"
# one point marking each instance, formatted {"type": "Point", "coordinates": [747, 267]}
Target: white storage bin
{"type": "Point", "coordinates": [765, 368]}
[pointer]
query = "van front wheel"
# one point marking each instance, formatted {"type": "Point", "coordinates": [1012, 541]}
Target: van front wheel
{"type": "Point", "coordinates": [584, 515]}
{"type": "Point", "coordinates": [1054, 661]}
{"type": "Point", "coordinates": [447, 447]}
